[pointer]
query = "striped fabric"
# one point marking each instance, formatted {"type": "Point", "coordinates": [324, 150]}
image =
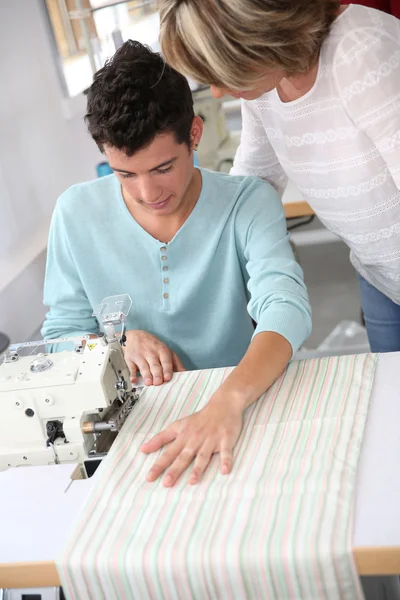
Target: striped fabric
{"type": "Point", "coordinates": [278, 527]}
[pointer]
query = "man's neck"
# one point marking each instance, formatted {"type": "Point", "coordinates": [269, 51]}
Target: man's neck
{"type": "Point", "coordinates": [164, 228]}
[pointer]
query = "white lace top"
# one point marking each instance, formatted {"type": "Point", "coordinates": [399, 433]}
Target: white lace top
{"type": "Point", "coordinates": [340, 142]}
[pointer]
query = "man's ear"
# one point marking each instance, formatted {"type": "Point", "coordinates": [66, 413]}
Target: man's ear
{"type": "Point", "coordinates": [196, 132]}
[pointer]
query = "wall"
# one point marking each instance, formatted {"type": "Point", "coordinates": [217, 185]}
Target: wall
{"type": "Point", "coordinates": [41, 154]}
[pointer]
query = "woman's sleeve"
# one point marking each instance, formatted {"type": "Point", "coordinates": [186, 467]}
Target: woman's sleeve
{"type": "Point", "coordinates": [255, 155]}
{"type": "Point", "coordinates": [367, 75]}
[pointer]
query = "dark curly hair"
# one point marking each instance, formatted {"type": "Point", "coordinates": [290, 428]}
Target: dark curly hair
{"type": "Point", "coordinates": [134, 97]}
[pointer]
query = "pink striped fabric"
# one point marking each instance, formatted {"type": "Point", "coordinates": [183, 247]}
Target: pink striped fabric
{"type": "Point", "coordinates": [278, 527]}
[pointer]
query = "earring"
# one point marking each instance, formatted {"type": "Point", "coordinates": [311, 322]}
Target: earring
{"type": "Point", "coordinates": [196, 146]}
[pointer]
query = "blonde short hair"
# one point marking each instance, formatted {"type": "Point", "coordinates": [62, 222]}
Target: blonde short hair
{"type": "Point", "coordinates": [231, 43]}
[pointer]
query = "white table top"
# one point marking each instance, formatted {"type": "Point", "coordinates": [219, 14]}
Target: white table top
{"type": "Point", "coordinates": [37, 508]}
{"type": "Point", "coordinates": [39, 504]}
{"type": "Point", "coordinates": [377, 516]}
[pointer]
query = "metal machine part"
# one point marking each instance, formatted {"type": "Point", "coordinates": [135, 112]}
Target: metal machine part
{"type": "Point", "coordinates": [116, 418]}
{"type": "Point", "coordinates": [113, 312]}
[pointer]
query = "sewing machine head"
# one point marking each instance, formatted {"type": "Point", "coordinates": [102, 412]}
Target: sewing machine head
{"type": "Point", "coordinates": [66, 405]}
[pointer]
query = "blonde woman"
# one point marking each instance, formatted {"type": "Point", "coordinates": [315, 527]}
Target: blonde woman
{"type": "Point", "coordinates": [320, 89]}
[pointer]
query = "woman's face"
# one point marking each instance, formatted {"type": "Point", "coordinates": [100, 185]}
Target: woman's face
{"type": "Point", "coordinates": [264, 84]}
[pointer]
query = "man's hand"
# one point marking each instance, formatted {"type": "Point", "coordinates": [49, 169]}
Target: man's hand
{"type": "Point", "coordinates": [215, 428]}
{"type": "Point", "coordinates": [145, 353]}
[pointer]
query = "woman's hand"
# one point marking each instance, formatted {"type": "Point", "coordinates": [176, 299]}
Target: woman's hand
{"type": "Point", "coordinates": [215, 428]}
{"type": "Point", "coordinates": [145, 353]}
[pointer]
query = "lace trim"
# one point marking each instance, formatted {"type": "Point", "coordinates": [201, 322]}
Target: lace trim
{"type": "Point", "coordinates": [387, 257]}
{"type": "Point", "coordinates": [241, 169]}
{"type": "Point", "coordinates": [372, 78]}
{"type": "Point", "coordinates": [363, 213]}
{"type": "Point", "coordinates": [389, 143]}
{"type": "Point", "coordinates": [366, 273]}
{"type": "Point", "coordinates": [294, 113]}
{"type": "Point", "coordinates": [342, 163]}
{"type": "Point", "coordinates": [359, 46]}
{"type": "Point", "coordinates": [378, 113]}
{"type": "Point", "coordinates": [349, 191]}
{"type": "Point", "coordinates": [318, 138]}
{"type": "Point", "coordinates": [366, 238]}
{"type": "Point", "coordinates": [392, 276]}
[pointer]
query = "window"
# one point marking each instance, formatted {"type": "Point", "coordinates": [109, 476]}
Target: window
{"type": "Point", "coordinates": [87, 32]}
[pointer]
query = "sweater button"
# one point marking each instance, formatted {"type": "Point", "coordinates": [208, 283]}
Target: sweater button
{"type": "Point", "coordinates": [166, 280]}
{"type": "Point", "coordinates": [163, 249]}
{"type": "Point", "coordinates": [165, 268]}
{"type": "Point", "coordinates": [165, 296]}
{"type": "Point", "coordinates": [163, 258]}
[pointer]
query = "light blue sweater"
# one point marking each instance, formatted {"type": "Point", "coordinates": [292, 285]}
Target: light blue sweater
{"type": "Point", "coordinates": [230, 262]}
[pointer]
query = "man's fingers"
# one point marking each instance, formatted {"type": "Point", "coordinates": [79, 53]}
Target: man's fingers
{"type": "Point", "coordinates": [145, 372]}
{"type": "Point", "coordinates": [226, 456]}
{"type": "Point", "coordinates": [155, 361]}
{"type": "Point", "coordinates": [202, 461]}
{"type": "Point", "coordinates": [155, 369]}
{"type": "Point", "coordinates": [133, 368]}
{"type": "Point", "coordinates": [158, 441]}
{"type": "Point", "coordinates": [177, 365]}
{"type": "Point", "coordinates": [179, 465]}
{"type": "Point", "coordinates": [166, 363]}
{"type": "Point", "coordinates": [151, 368]}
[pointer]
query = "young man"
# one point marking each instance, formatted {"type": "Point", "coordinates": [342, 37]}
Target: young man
{"type": "Point", "coordinates": [201, 254]}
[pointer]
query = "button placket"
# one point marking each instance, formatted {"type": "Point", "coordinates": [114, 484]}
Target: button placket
{"type": "Point", "coordinates": [165, 278]}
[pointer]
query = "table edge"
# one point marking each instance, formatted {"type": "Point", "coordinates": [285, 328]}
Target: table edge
{"type": "Point", "coordinates": [297, 209]}
{"type": "Point", "coordinates": [378, 560]}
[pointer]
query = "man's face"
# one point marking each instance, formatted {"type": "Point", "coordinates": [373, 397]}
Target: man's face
{"type": "Point", "coordinates": [155, 179]}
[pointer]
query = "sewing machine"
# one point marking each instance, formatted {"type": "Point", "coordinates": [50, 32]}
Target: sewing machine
{"type": "Point", "coordinates": [66, 406]}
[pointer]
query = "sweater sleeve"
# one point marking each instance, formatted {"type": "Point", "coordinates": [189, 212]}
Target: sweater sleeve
{"type": "Point", "coordinates": [70, 312]}
{"type": "Point", "coordinates": [278, 295]}
{"type": "Point", "coordinates": [255, 155]}
{"type": "Point", "coordinates": [367, 76]}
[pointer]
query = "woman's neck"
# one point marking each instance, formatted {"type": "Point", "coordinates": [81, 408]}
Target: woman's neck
{"type": "Point", "coordinates": [293, 87]}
